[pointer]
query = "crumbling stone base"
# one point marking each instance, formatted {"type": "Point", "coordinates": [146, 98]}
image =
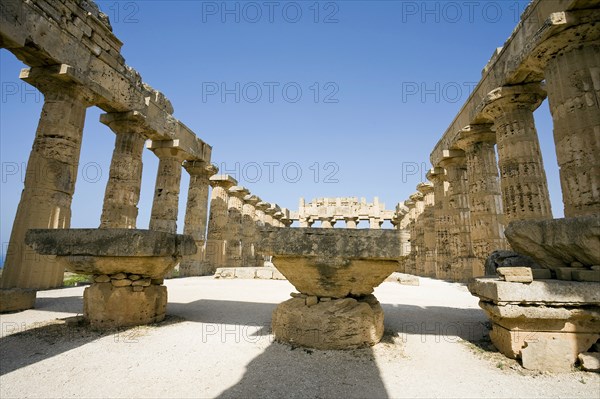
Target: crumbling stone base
{"type": "Point", "coordinates": [327, 323]}
{"type": "Point", "coordinates": [546, 324]}
{"type": "Point", "coordinates": [107, 306]}
{"type": "Point", "coordinates": [16, 299]}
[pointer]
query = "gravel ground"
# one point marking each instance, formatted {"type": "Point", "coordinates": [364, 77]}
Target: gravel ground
{"type": "Point", "coordinates": [216, 343]}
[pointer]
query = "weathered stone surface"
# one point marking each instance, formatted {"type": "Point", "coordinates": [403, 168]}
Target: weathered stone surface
{"type": "Point", "coordinates": [554, 352]}
{"type": "Point", "coordinates": [108, 307]}
{"type": "Point", "coordinates": [16, 299]}
{"type": "Point", "coordinates": [590, 361]}
{"type": "Point", "coordinates": [538, 292]}
{"type": "Point", "coordinates": [110, 242]}
{"type": "Point", "coordinates": [121, 283]}
{"type": "Point", "coordinates": [557, 243]}
{"type": "Point", "coordinates": [118, 276]}
{"type": "Point", "coordinates": [505, 258]}
{"type": "Point", "coordinates": [103, 278]}
{"type": "Point", "coordinates": [145, 282]}
{"type": "Point", "coordinates": [541, 274]}
{"type": "Point", "coordinates": [586, 275]}
{"type": "Point", "coordinates": [515, 274]}
{"type": "Point", "coordinates": [336, 324]}
{"type": "Point", "coordinates": [333, 262]}
{"type": "Point", "coordinates": [113, 251]}
{"type": "Point", "coordinates": [311, 300]}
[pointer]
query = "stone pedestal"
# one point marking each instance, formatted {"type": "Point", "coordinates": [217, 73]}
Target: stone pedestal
{"type": "Point", "coordinates": [108, 307]}
{"type": "Point", "coordinates": [335, 308]}
{"type": "Point", "coordinates": [329, 323]}
{"type": "Point", "coordinates": [128, 267]}
{"type": "Point", "coordinates": [546, 324]}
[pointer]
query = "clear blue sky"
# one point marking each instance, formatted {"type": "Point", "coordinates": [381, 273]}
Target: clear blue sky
{"type": "Point", "coordinates": [358, 120]}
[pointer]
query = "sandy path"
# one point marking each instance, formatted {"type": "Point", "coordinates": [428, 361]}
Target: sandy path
{"type": "Point", "coordinates": [216, 343]}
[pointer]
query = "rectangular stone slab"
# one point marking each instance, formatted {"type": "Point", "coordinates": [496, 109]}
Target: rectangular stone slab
{"type": "Point", "coordinates": [548, 292]}
{"type": "Point", "coordinates": [109, 242]}
{"type": "Point", "coordinates": [330, 243]}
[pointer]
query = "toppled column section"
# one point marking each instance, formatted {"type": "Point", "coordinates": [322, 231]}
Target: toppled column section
{"type": "Point", "coordinates": [335, 271]}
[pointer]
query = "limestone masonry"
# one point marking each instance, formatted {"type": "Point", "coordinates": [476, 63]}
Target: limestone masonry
{"type": "Point", "coordinates": [483, 217]}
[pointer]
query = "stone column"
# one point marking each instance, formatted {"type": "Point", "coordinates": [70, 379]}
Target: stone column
{"type": "Point", "coordinates": [165, 206]}
{"type": "Point", "coordinates": [285, 218]}
{"type": "Point", "coordinates": [485, 201]}
{"type": "Point", "coordinates": [461, 251]}
{"type": "Point", "coordinates": [249, 229]}
{"type": "Point", "coordinates": [418, 236]}
{"type": "Point", "coordinates": [217, 221]}
{"type": "Point", "coordinates": [305, 222]}
{"type": "Point", "coordinates": [522, 175]}
{"type": "Point", "coordinates": [573, 84]}
{"type": "Point", "coordinates": [375, 223]}
{"type": "Point", "coordinates": [233, 228]}
{"type": "Point", "coordinates": [125, 178]}
{"type": "Point", "coordinates": [196, 215]}
{"type": "Point", "coordinates": [327, 222]}
{"type": "Point", "coordinates": [261, 207]}
{"type": "Point", "coordinates": [409, 263]}
{"type": "Point", "coordinates": [428, 226]}
{"type": "Point", "coordinates": [351, 222]}
{"type": "Point", "coordinates": [442, 222]}
{"type": "Point", "coordinates": [268, 213]}
{"type": "Point", "coordinates": [50, 178]}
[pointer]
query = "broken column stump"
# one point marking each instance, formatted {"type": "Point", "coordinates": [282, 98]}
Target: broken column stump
{"type": "Point", "coordinates": [335, 271]}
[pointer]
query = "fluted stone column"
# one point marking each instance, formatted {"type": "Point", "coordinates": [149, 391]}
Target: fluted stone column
{"type": "Point", "coordinates": [217, 221]}
{"type": "Point", "coordinates": [573, 83]}
{"type": "Point", "coordinates": [485, 200]}
{"type": "Point", "coordinates": [125, 177]}
{"type": "Point", "coordinates": [260, 217]}
{"type": "Point", "coordinates": [522, 176]}
{"type": "Point", "coordinates": [50, 178]}
{"type": "Point", "coordinates": [351, 222]}
{"type": "Point", "coordinates": [410, 262]}
{"type": "Point", "coordinates": [233, 228]}
{"type": "Point", "coordinates": [249, 230]}
{"type": "Point", "coordinates": [165, 206]}
{"type": "Point", "coordinates": [418, 234]}
{"type": "Point", "coordinates": [428, 226]}
{"type": "Point", "coordinates": [196, 215]}
{"type": "Point", "coordinates": [442, 222]}
{"type": "Point", "coordinates": [462, 260]}
{"type": "Point", "coordinates": [305, 222]}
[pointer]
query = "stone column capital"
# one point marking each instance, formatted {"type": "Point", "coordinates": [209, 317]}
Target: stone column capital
{"type": "Point", "coordinates": [425, 188]}
{"type": "Point", "coordinates": [453, 159]}
{"type": "Point", "coordinates": [506, 98]}
{"type": "Point", "coordinates": [223, 181]}
{"type": "Point", "coordinates": [251, 199]}
{"type": "Point", "coordinates": [473, 134]}
{"type": "Point", "coordinates": [167, 149]}
{"type": "Point", "coordinates": [263, 206]}
{"type": "Point", "coordinates": [416, 197]}
{"type": "Point", "coordinates": [200, 168]}
{"type": "Point", "coordinates": [125, 122]}
{"type": "Point", "coordinates": [436, 175]}
{"type": "Point", "coordinates": [238, 192]}
{"type": "Point", "coordinates": [57, 80]}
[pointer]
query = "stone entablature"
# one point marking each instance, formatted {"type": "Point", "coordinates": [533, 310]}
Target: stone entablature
{"type": "Point", "coordinates": [350, 210]}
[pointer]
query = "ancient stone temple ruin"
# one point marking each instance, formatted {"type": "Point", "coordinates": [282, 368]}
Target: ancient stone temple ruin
{"type": "Point", "coordinates": [484, 207]}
